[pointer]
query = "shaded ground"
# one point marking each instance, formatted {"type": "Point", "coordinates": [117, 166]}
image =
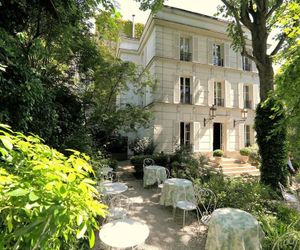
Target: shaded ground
{"type": "Point", "coordinates": [165, 233]}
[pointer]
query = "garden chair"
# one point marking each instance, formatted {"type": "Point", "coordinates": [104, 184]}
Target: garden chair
{"type": "Point", "coordinates": [180, 201]}
{"type": "Point", "coordinates": [289, 198]}
{"type": "Point", "coordinates": [118, 207]}
{"type": "Point", "coordinates": [160, 183]}
{"type": "Point", "coordinates": [148, 162]}
{"type": "Point", "coordinates": [207, 202]}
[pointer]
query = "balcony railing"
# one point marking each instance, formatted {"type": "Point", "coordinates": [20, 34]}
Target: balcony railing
{"type": "Point", "coordinates": [186, 99]}
{"type": "Point", "coordinates": [248, 104]}
{"type": "Point", "coordinates": [247, 66]}
{"type": "Point", "coordinates": [185, 56]}
{"type": "Point", "coordinates": [218, 61]}
{"type": "Point", "coordinates": [219, 102]}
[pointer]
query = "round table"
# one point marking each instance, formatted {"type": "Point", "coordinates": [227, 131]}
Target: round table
{"type": "Point", "coordinates": [154, 174]}
{"type": "Point", "coordinates": [112, 188]}
{"type": "Point", "coordinates": [233, 229]}
{"type": "Point", "coordinates": [124, 233]}
{"type": "Point", "coordinates": [172, 186]}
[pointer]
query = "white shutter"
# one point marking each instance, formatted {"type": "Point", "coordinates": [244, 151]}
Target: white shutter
{"type": "Point", "coordinates": [210, 96]}
{"type": "Point", "coordinates": [240, 95]}
{"type": "Point", "coordinates": [239, 61]}
{"type": "Point", "coordinates": [256, 97]}
{"type": "Point", "coordinates": [176, 45]}
{"type": "Point", "coordinates": [195, 49]}
{"type": "Point", "coordinates": [241, 135]}
{"type": "Point", "coordinates": [196, 131]}
{"type": "Point", "coordinates": [176, 135]}
{"type": "Point", "coordinates": [196, 90]}
{"type": "Point", "coordinates": [226, 57]}
{"type": "Point", "coordinates": [209, 51]}
{"type": "Point", "coordinates": [254, 68]}
{"type": "Point", "coordinates": [176, 89]}
{"type": "Point", "coordinates": [227, 94]}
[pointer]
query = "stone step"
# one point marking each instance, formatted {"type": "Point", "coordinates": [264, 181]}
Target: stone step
{"type": "Point", "coordinates": [236, 173]}
{"type": "Point", "coordinates": [241, 169]}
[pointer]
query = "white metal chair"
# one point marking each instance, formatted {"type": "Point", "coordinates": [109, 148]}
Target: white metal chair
{"type": "Point", "coordinates": [118, 207]}
{"type": "Point", "coordinates": [161, 184]}
{"type": "Point", "coordinates": [148, 162]}
{"type": "Point", "coordinates": [207, 202]}
{"type": "Point", "coordinates": [180, 201]}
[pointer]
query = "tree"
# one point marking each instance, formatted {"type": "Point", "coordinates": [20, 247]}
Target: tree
{"type": "Point", "coordinates": [260, 18]}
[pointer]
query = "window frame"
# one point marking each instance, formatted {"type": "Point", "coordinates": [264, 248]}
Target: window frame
{"type": "Point", "coordinates": [185, 133]}
{"type": "Point", "coordinates": [185, 96]}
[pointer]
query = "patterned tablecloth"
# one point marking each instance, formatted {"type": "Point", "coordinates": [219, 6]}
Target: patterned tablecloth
{"type": "Point", "coordinates": [154, 174]}
{"type": "Point", "coordinates": [171, 188]}
{"type": "Point", "coordinates": [233, 229]}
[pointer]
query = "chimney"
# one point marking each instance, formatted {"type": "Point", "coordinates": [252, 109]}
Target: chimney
{"type": "Point", "coordinates": [133, 26]}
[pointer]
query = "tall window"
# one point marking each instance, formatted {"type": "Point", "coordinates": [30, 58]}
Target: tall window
{"type": "Point", "coordinates": [218, 96]}
{"type": "Point", "coordinates": [185, 90]}
{"type": "Point", "coordinates": [246, 63]}
{"type": "Point", "coordinates": [246, 95]}
{"type": "Point", "coordinates": [217, 55]}
{"type": "Point", "coordinates": [185, 134]}
{"type": "Point", "coordinates": [247, 136]}
{"type": "Point", "coordinates": [185, 49]}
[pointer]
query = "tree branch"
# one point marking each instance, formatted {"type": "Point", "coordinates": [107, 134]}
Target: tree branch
{"type": "Point", "coordinates": [244, 15]}
{"type": "Point", "coordinates": [274, 7]}
{"type": "Point", "coordinates": [279, 45]}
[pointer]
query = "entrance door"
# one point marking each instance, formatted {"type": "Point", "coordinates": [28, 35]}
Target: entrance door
{"type": "Point", "coordinates": [217, 143]}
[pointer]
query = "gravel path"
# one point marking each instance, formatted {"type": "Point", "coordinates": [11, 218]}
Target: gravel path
{"type": "Point", "coordinates": [165, 233]}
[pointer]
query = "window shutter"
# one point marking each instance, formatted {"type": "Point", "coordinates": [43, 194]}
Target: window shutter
{"type": "Point", "coordinates": [176, 135]}
{"type": "Point", "coordinates": [239, 61]}
{"type": "Point", "coordinates": [209, 51]}
{"type": "Point", "coordinates": [210, 88]}
{"type": "Point", "coordinates": [256, 97]}
{"type": "Point", "coordinates": [227, 94]}
{"type": "Point", "coordinates": [196, 90]}
{"type": "Point", "coordinates": [176, 45]}
{"type": "Point", "coordinates": [254, 68]}
{"type": "Point", "coordinates": [240, 95]}
{"type": "Point", "coordinates": [196, 136]}
{"type": "Point", "coordinates": [226, 57]}
{"type": "Point", "coordinates": [241, 135]}
{"type": "Point", "coordinates": [176, 89]}
{"type": "Point", "coordinates": [195, 49]}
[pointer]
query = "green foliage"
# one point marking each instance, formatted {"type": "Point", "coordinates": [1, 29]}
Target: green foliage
{"type": "Point", "coordinates": [127, 29]}
{"type": "Point", "coordinates": [271, 138]}
{"type": "Point", "coordinates": [218, 153]}
{"type": "Point", "coordinates": [254, 156]}
{"type": "Point", "coordinates": [47, 200]}
{"type": "Point", "coordinates": [245, 151]}
{"type": "Point", "coordinates": [142, 146]}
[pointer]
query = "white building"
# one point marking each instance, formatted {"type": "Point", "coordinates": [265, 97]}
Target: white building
{"type": "Point", "coordinates": [189, 56]}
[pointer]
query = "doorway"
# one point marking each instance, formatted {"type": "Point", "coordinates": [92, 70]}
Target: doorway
{"type": "Point", "coordinates": [217, 140]}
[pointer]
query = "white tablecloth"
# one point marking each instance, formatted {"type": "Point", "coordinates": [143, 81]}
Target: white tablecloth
{"type": "Point", "coordinates": [153, 174]}
{"type": "Point", "coordinates": [112, 188]}
{"type": "Point", "coordinates": [124, 233]}
{"type": "Point", "coordinates": [172, 186]}
{"type": "Point", "coordinates": [233, 229]}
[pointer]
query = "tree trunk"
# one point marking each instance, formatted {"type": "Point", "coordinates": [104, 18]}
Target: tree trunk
{"type": "Point", "coordinates": [266, 78]}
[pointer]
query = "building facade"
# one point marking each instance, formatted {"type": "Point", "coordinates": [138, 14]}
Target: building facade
{"type": "Point", "coordinates": [204, 88]}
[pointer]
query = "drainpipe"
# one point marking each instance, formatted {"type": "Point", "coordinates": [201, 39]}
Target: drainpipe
{"type": "Point", "coordinates": [133, 26]}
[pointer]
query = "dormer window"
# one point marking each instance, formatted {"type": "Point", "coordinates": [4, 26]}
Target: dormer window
{"type": "Point", "coordinates": [185, 48]}
{"type": "Point", "coordinates": [218, 59]}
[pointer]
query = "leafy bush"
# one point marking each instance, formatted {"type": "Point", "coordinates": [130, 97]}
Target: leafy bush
{"type": "Point", "coordinates": [245, 151]}
{"type": "Point", "coordinates": [47, 200]}
{"type": "Point", "coordinates": [254, 156]}
{"type": "Point", "coordinates": [218, 153]}
{"type": "Point", "coordinates": [142, 146]}
{"type": "Point", "coordinates": [100, 160]}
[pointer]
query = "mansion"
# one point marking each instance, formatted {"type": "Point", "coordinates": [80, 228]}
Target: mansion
{"type": "Point", "coordinates": [206, 93]}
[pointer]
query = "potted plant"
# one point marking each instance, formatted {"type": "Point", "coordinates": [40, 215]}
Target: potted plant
{"type": "Point", "coordinates": [218, 154]}
{"type": "Point", "coordinates": [245, 152]}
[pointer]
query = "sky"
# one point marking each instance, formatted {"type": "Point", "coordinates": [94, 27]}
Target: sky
{"type": "Point", "coordinates": [130, 7]}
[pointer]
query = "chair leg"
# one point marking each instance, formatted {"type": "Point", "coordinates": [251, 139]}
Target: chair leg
{"type": "Point", "coordinates": [183, 218]}
{"type": "Point", "coordinates": [197, 212]}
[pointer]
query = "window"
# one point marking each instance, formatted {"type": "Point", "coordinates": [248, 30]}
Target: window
{"type": "Point", "coordinates": [185, 134]}
{"type": "Point", "coordinates": [185, 54]}
{"type": "Point", "coordinates": [246, 63]}
{"type": "Point", "coordinates": [218, 94]}
{"type": "Point", "coordinates": [247, 136]}
{"type": "Point", "coordinates": [217, 55]}
{"type": "Point", "coordinates": [246, 96]}
{"type": "Point", "coordinates": [185, 90]}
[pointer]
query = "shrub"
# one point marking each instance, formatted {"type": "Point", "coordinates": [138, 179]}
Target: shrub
{"type": "Point", "coordinates": [245, 151]}
{"type": "Point", "coordinates": [218, 153]}
{"type": "Point", "coordinates": [142, 146]}
{"type": "Point", "coordinates": [47, 200]}
{"type": "Point", "coordinates": [254, 156]}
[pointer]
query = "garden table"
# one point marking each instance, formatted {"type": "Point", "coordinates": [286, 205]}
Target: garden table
{"type": "Point", "coordinates": [153, 174]}
{"type": "Point", "coordinates": [112, 188]}
{"type": "Point", "coordinates": [233, 229]}
{"type": "Point", "coordinates": [124, 233]}
{"type": "Point", "coordinates": [172, 186]}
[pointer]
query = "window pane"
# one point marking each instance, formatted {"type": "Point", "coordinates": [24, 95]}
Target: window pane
{"type": "Point", "coordinates": [181, 89]}
{"type": "Point", "coordinates": [182, 133]}
{"type": "Point", "coordinates": [187, 133]}
{"type": "Point", "coordinates": [187, 90]}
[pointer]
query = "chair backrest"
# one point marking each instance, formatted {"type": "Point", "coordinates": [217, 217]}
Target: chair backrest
{"type": "Point", "coordinates": [111, 176]}
{"type": "Point", "coordinates": [148, 162]}
{"type": "Point", "coordinates": [120, 201]}
{"type": "Point", "coordinates": [206, 199]}
{"type": "Point", "coordinates": [179, 196]}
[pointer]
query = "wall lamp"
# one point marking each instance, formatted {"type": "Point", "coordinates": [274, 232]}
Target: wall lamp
{"type": "Point", "coordinates": [244, 113]}
{"type": "Point", "coordinates": [212, 115]}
